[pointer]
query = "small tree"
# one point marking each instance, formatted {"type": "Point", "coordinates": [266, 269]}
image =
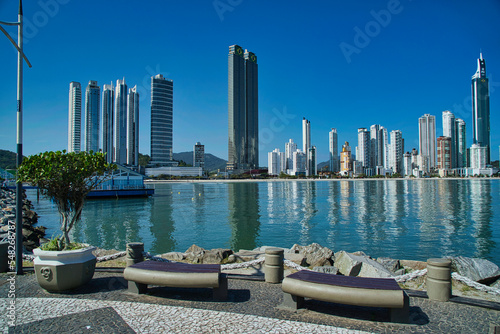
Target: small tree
{"type": "Point", "coordinates": [66, 178]}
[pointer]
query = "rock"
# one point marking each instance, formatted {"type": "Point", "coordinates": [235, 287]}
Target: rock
{"type": "Point", "coordinates": [174, 256]}
{"type": "Point", "coordinates": [327, 269]}
{"type": "Point", "coordinates": [413, 265]}
{"type": "Point", "coordinates": [194, 249]}
{"type": "Point", "coordinates": [479, 270]}
{"type": "Point", "coordinates": [295, 258]}
{"type": "Point", "coordinates": [216, 256]}
{"type": "Point", "coordinates": [400, 272]}
{"type": "Point", "coordinates": [347, 264]}
{"type": "Point", "coordinates": [359, 265]}
{"type": "Point", "coordinates": [390, 264]}
{"type": "Point", "coordinates": [496, 285]}
{"type": "Point", "coordinates": [248, 255]}
{"type": "Point", "coordinates": [315, 254]}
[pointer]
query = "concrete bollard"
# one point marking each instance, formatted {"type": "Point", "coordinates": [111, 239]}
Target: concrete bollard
{"type": "Point", "coordinates": [134, 253]}
{"type": "Point", "coordinates": [274, 265]}
{"type": "Point", "coordinates": [439, 279]}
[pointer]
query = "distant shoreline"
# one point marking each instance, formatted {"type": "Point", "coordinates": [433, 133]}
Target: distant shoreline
{"type": "Point", "coordinates": [316, 180]}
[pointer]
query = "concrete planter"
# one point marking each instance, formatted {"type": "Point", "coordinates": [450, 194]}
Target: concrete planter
{"type": "Point", "coordinates": [64, 270]}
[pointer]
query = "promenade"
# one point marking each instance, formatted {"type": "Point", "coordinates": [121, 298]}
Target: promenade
{"type": "Point", "coordinates": [253, 306]}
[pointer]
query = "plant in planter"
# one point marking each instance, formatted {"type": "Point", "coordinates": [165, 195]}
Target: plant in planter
{"type": "Point", "coordinates": [66, 179]}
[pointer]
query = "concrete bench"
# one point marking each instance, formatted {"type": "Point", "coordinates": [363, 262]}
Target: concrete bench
{"type": "Point", "coordinates": [177, 275]}
{"type": "Point", "coordinates": [359, 291]}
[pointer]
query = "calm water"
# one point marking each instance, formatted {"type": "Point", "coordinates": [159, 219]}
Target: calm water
{"type": "Point", "coordinates": [411, 219]}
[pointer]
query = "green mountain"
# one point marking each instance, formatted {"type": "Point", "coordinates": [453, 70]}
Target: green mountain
{"type": "Point", "coordinates": [212, 163]}
{"type": "Point", "coordinates": [7, 159]}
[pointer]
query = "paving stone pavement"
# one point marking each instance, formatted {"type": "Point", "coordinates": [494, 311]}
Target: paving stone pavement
{"type": "Point", "coordinates": [105, 306]}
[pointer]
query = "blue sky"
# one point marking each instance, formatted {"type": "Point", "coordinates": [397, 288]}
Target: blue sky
{"type": "Point", "coordinates": [411, 58]}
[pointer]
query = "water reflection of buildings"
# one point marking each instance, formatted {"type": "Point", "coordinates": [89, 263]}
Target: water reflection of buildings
{"type": "Point", "coordinates": [307, 212]}
{"type": "Point", "coordinates": [111, 223]}
{"type": "Point", "coordinates": [481, 216]}
{"type": "Point", "coordinates": [243, 202]}
{"type": "Point", "coordinates": [161, 222]}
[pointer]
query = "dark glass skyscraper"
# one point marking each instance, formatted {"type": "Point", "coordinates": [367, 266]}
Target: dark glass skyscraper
{"type": "Point", "coordinates": [243, 109]}
{"type": "Point", "coordinates": [162, 94]}
{"type": "Point", "coordinates": [481, 108]}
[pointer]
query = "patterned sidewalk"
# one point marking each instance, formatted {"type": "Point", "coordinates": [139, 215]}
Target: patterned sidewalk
{"type": "Point", "coordinates": [105, 306]}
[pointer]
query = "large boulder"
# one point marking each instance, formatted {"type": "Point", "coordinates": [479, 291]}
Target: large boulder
{"type": "Point", "coordinates": [479, 270]}
{"type": "Point", "coordinates": [174, 256]}
{"type": "Point", "coordinates": [360, 265]}
{"type": "Point", "coordinates": [390, 264]}
{"type": "Point", "coordinates": [315, 254]}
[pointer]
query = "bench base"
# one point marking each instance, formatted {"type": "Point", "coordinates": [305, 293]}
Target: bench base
{"type": "Point", "coordinates": [399, 315]}
{"type": "Point", "coordinates": [219, 293]}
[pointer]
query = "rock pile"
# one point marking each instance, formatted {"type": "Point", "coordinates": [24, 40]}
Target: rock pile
{"type": "Point", "coordinates": [31, 234]}
{"type": "Point", "coordinates": [323, 259]}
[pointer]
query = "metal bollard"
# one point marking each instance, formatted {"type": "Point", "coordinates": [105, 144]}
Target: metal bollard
{"type": "Point", "coordinates": [134, 253]}
{"type": "Point", "coordinates": [274, 265]}
{"type": "Point", "coordinates": [4, 259]}
{"type": "Point", "coordinates": [439, 279]}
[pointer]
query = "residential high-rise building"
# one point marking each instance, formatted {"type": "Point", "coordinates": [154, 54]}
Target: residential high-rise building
{"type": "Point", "coordinates": [481, 107]}
{"type": "Point", "coordinates": [376, 151]}
{"type": "Point", "coordinates": [290, 147]}
{"type": "Point", "coordinates": [444, 152]}
{"type": "Point", "coordinates": [108, 99]}
{"type": "Point", "coordinates": [450, 130]}
{"type": "Point", "coordinates": [199, 155]}
{"type": "Point", "coordinates": [299, 163]}
{"type": "Point", "coordinates": [133, 127]}
{"type": "Point", "coordinates": [461, 143]}
{"type": "Point", "coordinates": [120, 123]}
{"type": "Point", "coordinates": [92, 116]}
{"type": "Point", "coordinates": [162, 93]}
{"type": "Point", "coordinates": [427, 138]}
{"type": "Point", "coordinates": [75, 117]}
{"type": "Point", "coordinates": [363, 150]}
{"type": "Point", "coordinates": [306, 142]}
{"type": "Point", "coordinates": [243, 110]}
{"type": "Point", "coordinates": [407, 165]}
{"type": "Point", "coordinates": [334, 151]}
{"type": "Point", "coordinates": [276, 162]}
{"type": "Point", "coordinates": [311, 160]}
{"type": "Point", "coordinates": [384, 145]}
{"type": "Point", "coordinates": [345, 159]}
{"type": "Point", "coordinates": [396, 151]}
{"type": "Point", "coordinates": [478, 155]}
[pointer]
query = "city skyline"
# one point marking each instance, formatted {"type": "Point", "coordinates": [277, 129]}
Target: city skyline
{"type": "Point", "coordinates": [339, 89]}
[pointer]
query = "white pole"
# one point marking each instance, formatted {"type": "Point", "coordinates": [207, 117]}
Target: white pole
{"type": "Point", "coordinates": [19, 186]}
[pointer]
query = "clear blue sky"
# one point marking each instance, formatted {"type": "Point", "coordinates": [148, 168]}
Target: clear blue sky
{"type": "Point", "coordinates": [417, 60]}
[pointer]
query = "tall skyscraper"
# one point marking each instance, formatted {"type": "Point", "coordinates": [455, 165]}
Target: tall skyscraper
{"type": "Point", "coordinates": [290, 147]}
{"type": "Point", "coordinates": [108, 99]}
{"type": "Point", "coordinates": [306, 142]}
{"type": "Point", "coordinates": [133, 127]}
{"type": "Point", "coordinates": [481, 108]}
{"type": "Point", "coordinates": [396, 151]}
{"type": "Point", "coordinates": [243, 109]}
{"type": "Point", "coordinates": [450, 130]}
{"type": "Point", "coordinates": [376, 151]}
{"type": "Point", "coordinates": [334, 151]}
{"type": "Point", "coordinates": [345, 159]}
{"type": "Point", "coordinates": [92, 116]}
{"type": "Point", "coordinates": [120, 123]}
{"type": "Point", "coordinates": [275, 162]}
{"type": "Point", "coordinates": [384, 145]}
{"type": "Point", "coordinates": [444, 152]}
{"type": "Point", "coordinates": [461, 143]}
{"type": "Point", "coordinates": [199, 155]}
{"type": "Point", "coordinates": [162, 94]}
{"type": "Point", "coordinates": [363, 150]}
{"type": "Point", "coordinates": [75, 117]}
{"type": "Point", "coordinates": [427, 138]}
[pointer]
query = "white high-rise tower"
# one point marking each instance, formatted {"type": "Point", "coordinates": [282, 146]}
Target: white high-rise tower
{"type": "Point", "coordinates": [75, 117]}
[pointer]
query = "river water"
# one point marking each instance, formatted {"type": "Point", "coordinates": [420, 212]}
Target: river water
{"type": "Point", "coordinates": [404, 219]}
